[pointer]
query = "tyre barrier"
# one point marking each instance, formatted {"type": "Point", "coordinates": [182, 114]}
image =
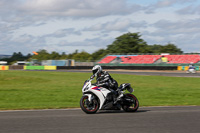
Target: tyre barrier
{"type": "Point", "coordinates": [185, 68]}
{"type": "Point", "coordinates": [4, 67]}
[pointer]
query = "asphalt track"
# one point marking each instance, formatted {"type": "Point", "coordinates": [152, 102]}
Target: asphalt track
{"type": "Point", "coordinates": [146, 72]}
{"type": "Point", "coordinates": [182, 119]}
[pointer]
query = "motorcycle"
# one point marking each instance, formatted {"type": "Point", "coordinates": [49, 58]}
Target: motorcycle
{"type": "Point", "coordinates": [99, 98]}
{"type": "Point", "coordinates": [191, 70]}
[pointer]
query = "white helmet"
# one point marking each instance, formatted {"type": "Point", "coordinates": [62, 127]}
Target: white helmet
{"type": "Point", "coordinates": [96, 70]}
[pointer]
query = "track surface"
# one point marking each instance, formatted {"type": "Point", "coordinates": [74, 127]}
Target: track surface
{"type": "Point", "coordinates": [140, 72]}
{"type": "Point", "coordinates": [147, 120]}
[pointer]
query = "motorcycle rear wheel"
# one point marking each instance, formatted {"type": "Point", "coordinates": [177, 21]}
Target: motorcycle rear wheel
{"type": "Point", "coordinates": [133, 107]}
{"type": "Point", "coordinates": [89, 107]}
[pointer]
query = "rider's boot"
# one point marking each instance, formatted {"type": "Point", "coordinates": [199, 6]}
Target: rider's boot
{"type": "Point", "coordinates": [119, 96]}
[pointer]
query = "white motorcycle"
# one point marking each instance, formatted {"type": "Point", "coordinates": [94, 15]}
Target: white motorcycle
{"type": "Point", "coordinates": [191, 70]}
{"type": "Point", "coordinates": [98, 98]}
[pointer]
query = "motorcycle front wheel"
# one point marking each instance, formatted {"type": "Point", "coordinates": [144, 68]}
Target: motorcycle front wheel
{"type": "Point", "coordinates": [87, 106]}
{"type": "Point", "coordinates": [132, 103]}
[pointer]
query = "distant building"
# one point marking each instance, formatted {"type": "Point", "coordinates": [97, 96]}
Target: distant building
{"type": "Point", "coordinates": [20, 63]}
{"type": "Point", "coordinates": [68, 62]}
{"type": "Point", "coordinates": [3, 62]}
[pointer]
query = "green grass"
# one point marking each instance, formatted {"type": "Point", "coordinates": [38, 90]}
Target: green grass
{"type": "Point", "coordinates": [51, 89]}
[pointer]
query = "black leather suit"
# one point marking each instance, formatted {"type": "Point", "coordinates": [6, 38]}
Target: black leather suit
{"type": "Point", "coordinates": [105, 80]}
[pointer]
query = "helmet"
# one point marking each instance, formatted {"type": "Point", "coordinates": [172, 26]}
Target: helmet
{"type": "Point", "coordinates": [96, 70]}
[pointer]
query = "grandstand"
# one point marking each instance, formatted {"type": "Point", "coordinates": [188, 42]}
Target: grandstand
{"type": "Point", "coordinates": [140, 59]}
{"type": "Point", "coordinates": [107, 59]}
{"type": "Point", "coordinates": [183, 58]}
{"type": "Point", "coordinates": [150, 59]}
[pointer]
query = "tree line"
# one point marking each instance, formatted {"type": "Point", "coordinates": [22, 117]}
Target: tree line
{"type": "Point", "coordinates": [124, 44]}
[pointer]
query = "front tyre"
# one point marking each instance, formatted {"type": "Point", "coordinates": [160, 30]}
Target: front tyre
{"type": "Point", "coordinates": [89, 107]}
{"type": "Point", "coordinates": [131, 103]}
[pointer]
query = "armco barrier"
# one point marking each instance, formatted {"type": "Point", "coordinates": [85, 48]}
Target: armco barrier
{"type": "Point", "coordinates": [122, 67]}
{"type": "Point", "coordinates": [50, 67]}
{"type": "Point", "coordinates": [18, 67]}
{"type": "Point", "coordinates": [40, 67]}
{"type": "Point", "coordinates": [33, 67]}
{"type": "Point", "coordinates": [4, 68]}
{"type": "Point", "coordinates": [74, 67]}
{"type": "Point", "coordinates": [90, 67]}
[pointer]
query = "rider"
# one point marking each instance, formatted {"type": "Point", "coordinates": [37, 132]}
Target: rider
{"type": "Point", "coordinates": [191, 68]}
{"type": "Point", "coordinates": [104, 79]}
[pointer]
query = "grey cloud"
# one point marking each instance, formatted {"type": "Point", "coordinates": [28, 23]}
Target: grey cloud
{"type": "Point", "coordinates": [165, 3]}
{"type": "Point", "coordinates": [39, 24]}
{"type": "Point", "coordinates": [179, 27]}
{"type": "Point", "coordinates": [24, 43]}
{"type": "Point", "coordinates": [117, 25]}
{"type": "Point", "coordinates": [97, 42]}
{"type": "Point", "coordinates": [185, 34]}
{"type": "Point", "coordinates": [19, 13]}
{"type": "Point", "coordinates": [187, 42]}
{"type": "Point", "coordinates": [180, 32]}
{"type": "Point", "coordinates": [63, 32]}
{"type": "Point", "coordinates": [27, 43]}
{"type": "Point", "coordinates": [88, 45]}
{"type": "Point", "coordinates": [191, 9]}
{"type": "Point", "coordinates": [79, 8]}
{"type": "Point", "coordinates": [25, 39]}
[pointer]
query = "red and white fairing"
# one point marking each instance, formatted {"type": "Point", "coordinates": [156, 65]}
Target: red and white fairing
{"type": "Point", "coordinates": [100, 92]}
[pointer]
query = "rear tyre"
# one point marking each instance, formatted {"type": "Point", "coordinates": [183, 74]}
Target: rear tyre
{"type": "Point", "coordinates": [89, 107]}
{"type": "Point", "coordinates": [132, 104]}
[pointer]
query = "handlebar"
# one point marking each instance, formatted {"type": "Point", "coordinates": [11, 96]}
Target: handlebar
{"type": "Point", "coordinates": [92, 77]}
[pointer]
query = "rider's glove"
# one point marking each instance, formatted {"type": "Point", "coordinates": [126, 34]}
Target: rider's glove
{"type": "Point", "coordinates": [92, 77]}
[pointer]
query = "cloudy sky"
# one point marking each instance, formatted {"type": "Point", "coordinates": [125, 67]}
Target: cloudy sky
{"type": "Point", "coordinates": [67, 25]}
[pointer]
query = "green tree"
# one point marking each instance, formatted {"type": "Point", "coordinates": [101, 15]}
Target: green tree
{"type": "Point", "coordinates": [54, 56]}
{"type": "Point", "coordinates": [128, 43]}
{"type": "Point", "coordinates": [16, 57]}
{"type": "Point", "coordinates": [171, 48]}
{"type": "Point", "coordinates": [42, 55]}
{"type": "Point", "coordinates": [99, 54]}
{"type": "Point", "coordinates": [155, 48]}
{"type": "Point", "coordinates": [83, 56]}
{"type": "Point", "coordinates": [64, 55]}
{"type": "Point", "coordinates": [70, 56]}
{"type": "Point", "coordinates": [168, 48]}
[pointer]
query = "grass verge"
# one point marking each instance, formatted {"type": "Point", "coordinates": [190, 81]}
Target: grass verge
{"type": "Point", "coordinates": [51, 89]}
